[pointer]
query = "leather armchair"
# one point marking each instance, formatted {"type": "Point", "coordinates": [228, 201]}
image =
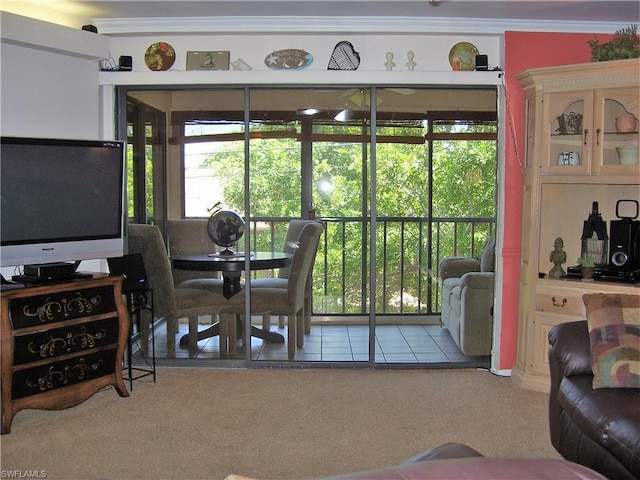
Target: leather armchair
{"type": "Point", "coordinates": [598, 428]}
{"type": "Point", "coordinates": [467, 299]}
{"type": "Point", "coordinates": [455, 461]}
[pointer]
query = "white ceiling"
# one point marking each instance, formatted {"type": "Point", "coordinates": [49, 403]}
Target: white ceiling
{"type": "Point", "coordinates": [117, 16]}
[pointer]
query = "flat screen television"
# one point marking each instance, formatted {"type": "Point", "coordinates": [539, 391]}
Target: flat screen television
{"type": "Point", "coordinates": [61, 200]}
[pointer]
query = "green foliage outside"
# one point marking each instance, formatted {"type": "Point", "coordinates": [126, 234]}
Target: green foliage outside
{"type": "Point", "coordinates": [464, 186]}
{"type": "Point", "coordinates": [148, 181]}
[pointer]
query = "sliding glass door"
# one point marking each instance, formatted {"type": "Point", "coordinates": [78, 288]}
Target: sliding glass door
{"type": "Point", "coordinates": [401, 177]}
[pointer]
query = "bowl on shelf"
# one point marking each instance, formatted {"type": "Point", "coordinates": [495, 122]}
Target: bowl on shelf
{"type": "Point", "coordinates": [626, 124]}
{"type": "Point", "coordinates": [569, 158]}
{"type": "Point", "coordinates": [628, 155]}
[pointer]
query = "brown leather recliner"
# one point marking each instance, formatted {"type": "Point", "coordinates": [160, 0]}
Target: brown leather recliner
{"type": "Point", "coordinates": [456, 461]}
{"type": "Point", "coordinates": [598, 428]}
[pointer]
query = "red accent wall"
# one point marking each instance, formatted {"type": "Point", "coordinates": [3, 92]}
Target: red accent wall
{"type": "Point", "coordinates": [525, 50]}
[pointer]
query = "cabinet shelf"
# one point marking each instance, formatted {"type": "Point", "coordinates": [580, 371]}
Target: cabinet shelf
{"type": "Point", "coordinates": [558, 198]}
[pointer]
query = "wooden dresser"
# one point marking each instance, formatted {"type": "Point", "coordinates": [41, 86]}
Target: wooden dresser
{"type": "Point", "coordinates": [61, 343]}
{"type": "Point", "coordinates": [565, 170]}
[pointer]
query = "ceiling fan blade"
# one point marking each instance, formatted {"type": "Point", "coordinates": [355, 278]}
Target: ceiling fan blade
{"type": "Point", "coordinates": [402, 91]}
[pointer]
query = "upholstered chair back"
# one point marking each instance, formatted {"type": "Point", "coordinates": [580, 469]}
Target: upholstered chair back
{"type": "Point", "coordinates": [293, 233]}
{"type": "Point", "coordinates": [488, 259]}
{"type": "Point", "coordinates": [147, 241]}
{"type": "Point", "coordinates": [188, 236]}
{"type": "Point", "coordinates": [302, 263]}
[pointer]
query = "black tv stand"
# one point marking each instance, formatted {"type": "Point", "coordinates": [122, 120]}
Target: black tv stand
{"type": "Point", "coordinates": [37, 280]}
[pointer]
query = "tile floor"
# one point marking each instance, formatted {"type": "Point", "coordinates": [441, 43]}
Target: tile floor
{"type": "Point", "coordinates": [407, 344]}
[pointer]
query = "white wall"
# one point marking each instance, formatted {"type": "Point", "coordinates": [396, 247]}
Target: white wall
{"type": "Point", "coordinates": [44, 94]}
{"type": "Point", "coordinates": [49, 79]}
{"type": "Point", "coordinates": [49, 84]}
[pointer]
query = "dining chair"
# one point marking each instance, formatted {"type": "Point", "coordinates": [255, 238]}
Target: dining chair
{"type": "Point", "coordinates": [171, 302]}
{"type": "Point", "coordinates": [287, 301]}
{"type": "Point", "coordinates": [188, 236]}
{"type": "Point", "coordinates": [289, 246]}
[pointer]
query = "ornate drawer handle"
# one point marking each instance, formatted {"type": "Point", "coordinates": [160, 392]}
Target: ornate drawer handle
{"type": "Point", "coordinates": [555, 304]}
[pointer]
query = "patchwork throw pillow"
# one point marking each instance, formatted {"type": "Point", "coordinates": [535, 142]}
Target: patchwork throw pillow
{"type": "Point", "coordinates": [614, 333]}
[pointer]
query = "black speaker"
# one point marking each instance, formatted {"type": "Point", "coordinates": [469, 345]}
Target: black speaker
{"type": "Point", "coordinates": [131, 267]}
{"type": "Point", "coordinates": [482, 62]}
{"type": "Point", "coordinates": [125, 63]}
{"type": "Point", "coordinates": [624, 244]}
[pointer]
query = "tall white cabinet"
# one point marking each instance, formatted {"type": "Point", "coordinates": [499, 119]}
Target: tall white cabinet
{"type": "Point", "coordinates": [572, 159]}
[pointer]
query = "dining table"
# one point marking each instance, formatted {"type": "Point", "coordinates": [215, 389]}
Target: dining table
{"type": "Point", "coordinates": [231, 267]}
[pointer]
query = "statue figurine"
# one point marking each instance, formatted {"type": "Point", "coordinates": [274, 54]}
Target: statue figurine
{"type": "Point", "coordinates": [558, 256]}
{"type": "Point", "coordinates": [411, 65]}
{"type": "Point", "coordinates": [389, 64]}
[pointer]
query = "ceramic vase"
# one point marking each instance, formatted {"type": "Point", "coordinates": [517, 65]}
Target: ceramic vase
{"type": "Point", "coordinates": [626, 124]}
{"type": "Point", "coordinates": [627, 155]}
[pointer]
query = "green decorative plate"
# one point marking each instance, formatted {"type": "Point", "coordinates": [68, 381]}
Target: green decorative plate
{"type": "Point", "coordinates": [466, 52]}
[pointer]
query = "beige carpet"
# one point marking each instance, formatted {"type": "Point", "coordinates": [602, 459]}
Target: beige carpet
{"type": "Point", "coordinates": [277, 424]}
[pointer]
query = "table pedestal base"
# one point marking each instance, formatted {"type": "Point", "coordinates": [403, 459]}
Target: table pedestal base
{"type": "Point", "coordinates": [229, 336]}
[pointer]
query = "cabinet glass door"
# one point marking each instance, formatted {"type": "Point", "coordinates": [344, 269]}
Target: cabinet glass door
{"type": "Point", "coordinates": [569, 117]}
{"type": "Point", "coordinates": [616, 139]}
{"type": "Point", "coordinates": [530, 129]}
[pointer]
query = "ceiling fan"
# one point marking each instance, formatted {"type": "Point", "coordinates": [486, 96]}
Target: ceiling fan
{"type": "Point", "coordinates": [362, 98]}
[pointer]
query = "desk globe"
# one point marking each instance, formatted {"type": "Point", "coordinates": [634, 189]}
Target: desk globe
{"type": "Point", "coordinates": [225, 228]}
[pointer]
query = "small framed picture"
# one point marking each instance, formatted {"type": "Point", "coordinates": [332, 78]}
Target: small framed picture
{"type": "Point", "coordinates": [208, 60]}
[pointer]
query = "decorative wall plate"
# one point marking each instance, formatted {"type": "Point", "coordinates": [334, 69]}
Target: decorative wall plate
{"type": "Point", "coordinates": [289, 59]}
{"type": "Point", "coordinates": [160, 56]}
{"type": "Point", "coordinates": [466, 52]}
{"type": "Point", "coordinates": [344, 57]}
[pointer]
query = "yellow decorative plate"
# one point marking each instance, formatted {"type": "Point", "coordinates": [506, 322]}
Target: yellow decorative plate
{"type": "Point", "coordinates": [466, 52]}
{"type": "Point", "coordinates": [160, 56]}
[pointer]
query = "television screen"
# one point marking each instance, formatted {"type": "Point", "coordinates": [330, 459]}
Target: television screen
{"type": "Point", "coordinates": [60, 200]}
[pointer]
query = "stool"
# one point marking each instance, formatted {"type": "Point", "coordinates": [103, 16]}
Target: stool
{"type": "Point", "coordinates": [138, 301]}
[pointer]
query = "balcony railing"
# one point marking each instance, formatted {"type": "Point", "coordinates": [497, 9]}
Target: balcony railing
{"type": "Point", "coordinates": [408, 250]}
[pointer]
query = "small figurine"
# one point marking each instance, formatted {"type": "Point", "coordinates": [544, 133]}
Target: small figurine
{"type": "Point", "coordinates": [389, 64]}
{"type": "Point", "coordinates": [558, 256]}
{"type": "Point", "coordinates": [240, 64]}
{"type": "Point", "coordinates": [410, 64]}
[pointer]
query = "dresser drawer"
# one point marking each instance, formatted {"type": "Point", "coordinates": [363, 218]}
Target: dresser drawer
{"type": "Point", "coordinates": [59, 306]}
{"type": "Point", "coordinates": [560, 301]}
{"type": "Point", "coordinates": [61, 343]}
{"type": "Point", "coordinates": [65, 340]}
{"type": "Point", "coordinates": [64, 373]}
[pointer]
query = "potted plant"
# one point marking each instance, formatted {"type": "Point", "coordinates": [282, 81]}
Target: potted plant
{"type": "Point", "coordinates": [624, 44]}
{"type": "Point", "coordinates": [587, 265]}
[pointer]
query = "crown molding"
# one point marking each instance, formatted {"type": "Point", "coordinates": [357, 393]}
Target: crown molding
{"type": "Point", "coordinates": [339, 25]}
